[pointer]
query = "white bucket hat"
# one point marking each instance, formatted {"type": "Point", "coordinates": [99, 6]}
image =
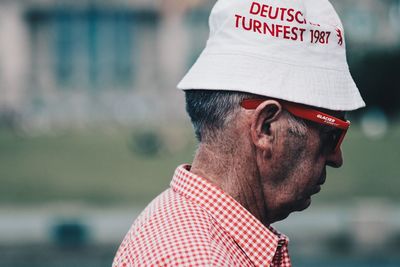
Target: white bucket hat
{"type": "Point", "coordinates": [285, 49]}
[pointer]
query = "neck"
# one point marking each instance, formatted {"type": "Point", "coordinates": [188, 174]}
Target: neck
{"type": "Point", "coordinates": [235, 172]}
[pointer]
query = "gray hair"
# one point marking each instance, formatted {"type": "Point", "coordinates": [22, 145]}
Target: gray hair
{"type": "Point", "coordinates": [210, 111]}
{"type": "Point", "coordinates": [297, 126]}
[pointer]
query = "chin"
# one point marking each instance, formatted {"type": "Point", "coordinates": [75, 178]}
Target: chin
{"type": "Point", "coordinates": [303, 204]}
{"type": "Point", "coordinates": [307, 203]}
{"type": "Point", "coordinates": [300, 205]}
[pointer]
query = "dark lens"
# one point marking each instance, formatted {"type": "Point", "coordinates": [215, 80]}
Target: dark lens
{"type": "Point", "coordinates": [336, 137]}
{"type": "Point", "coordinates": [330, 137]}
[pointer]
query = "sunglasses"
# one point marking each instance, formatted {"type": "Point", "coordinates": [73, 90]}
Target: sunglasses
{"type": "Point", "coordinates": [339, 126]}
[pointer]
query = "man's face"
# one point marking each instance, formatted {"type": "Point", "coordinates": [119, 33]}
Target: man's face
{"type": "Point", "coordinates": [298, 169]}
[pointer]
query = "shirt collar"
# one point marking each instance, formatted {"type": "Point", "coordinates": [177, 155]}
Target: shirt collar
{"type": "Point", "coordinates": [257, 241]}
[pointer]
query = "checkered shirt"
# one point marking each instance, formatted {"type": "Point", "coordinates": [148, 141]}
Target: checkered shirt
{"type": "Point", "coordinates": [194, 223]}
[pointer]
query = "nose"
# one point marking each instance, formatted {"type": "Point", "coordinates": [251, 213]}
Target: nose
{"type": "Point", "coordinates": [335, 159]}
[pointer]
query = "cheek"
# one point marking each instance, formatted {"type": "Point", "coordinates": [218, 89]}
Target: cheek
{"type": "Point", "coordinates": [301, 178]}
{"type": "Point", "coordinates": [297, 181]}
{"type": "Point", "coordinates": [294, 169]}
{"type": "Point", "coordinates": [304, 177]}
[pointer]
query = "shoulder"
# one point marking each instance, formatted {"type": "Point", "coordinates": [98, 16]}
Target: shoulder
{"type": "Point", "coordinates": [170, 231]}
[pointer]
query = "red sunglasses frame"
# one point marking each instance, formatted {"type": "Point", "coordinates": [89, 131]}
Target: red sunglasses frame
{"type": "Point", "coordinates": [306, 113]}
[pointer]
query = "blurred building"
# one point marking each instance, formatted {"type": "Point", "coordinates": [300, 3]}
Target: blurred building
{"type": "Point", "coordinates": [64, 62]}
{"type": "Point", "coordinates": [79, 62]}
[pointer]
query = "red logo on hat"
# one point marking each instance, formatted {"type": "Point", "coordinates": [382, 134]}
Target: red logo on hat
{"type": "Point", "coordinates": [340, 36]}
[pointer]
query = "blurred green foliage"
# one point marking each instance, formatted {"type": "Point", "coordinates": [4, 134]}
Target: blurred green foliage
{"type": "Point", "coordinates": [146, 143]}
{"type": "Point", "coordinates": [99, 167]}
{"type": "Point", "coordinates": [95, 166]}
{"type": "Point", "coordinates": [376, 75]}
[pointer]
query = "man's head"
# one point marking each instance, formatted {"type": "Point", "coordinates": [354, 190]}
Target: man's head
{"type": "Point", "coordinates": [290, 56]}
{"type": "Point", "coordinates": [284, 156]}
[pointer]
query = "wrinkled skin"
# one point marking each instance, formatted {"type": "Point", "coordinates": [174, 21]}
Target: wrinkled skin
{"type": "Point", "coordinates": [268, 170]}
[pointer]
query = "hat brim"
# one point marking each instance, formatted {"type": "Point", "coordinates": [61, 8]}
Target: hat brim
{"type": "Point", "coordinates": [325, 88]}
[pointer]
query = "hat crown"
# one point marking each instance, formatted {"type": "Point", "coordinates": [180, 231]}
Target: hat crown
{"type": "Point", "coordinates": [283, 30]}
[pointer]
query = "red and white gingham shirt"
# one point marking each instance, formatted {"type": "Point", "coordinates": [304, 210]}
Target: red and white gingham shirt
{"type": "Point", "coordinates": [194, 223]}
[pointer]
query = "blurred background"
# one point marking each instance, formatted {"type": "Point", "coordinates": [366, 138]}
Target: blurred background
{"type": "Point", "coordinates": [92, 128]}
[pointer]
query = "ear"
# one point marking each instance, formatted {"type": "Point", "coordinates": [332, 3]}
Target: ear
{"type": "Point", "coordinates": [261, 131]}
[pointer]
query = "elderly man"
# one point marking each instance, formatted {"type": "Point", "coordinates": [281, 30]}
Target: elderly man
{"type": "Point", "coordinates": [267, 99]}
